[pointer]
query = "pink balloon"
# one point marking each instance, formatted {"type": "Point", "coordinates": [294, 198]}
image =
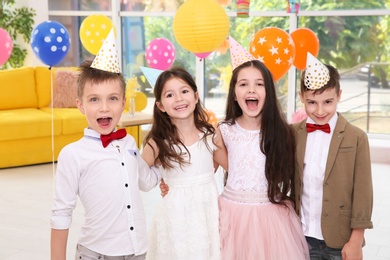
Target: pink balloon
{"type": "Point", "coordinates": [6, 46]}
{"type": "Point", "coordinates": [160, 54]}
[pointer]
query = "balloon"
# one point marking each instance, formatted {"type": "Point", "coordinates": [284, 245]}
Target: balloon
{"type": "Point", "coordinates": [93, 31]}
{"type": "Point", "coordinates": [212, 118]}
{"type": "Point", "coordinates": [275, 48]}
{"type": "Point", "coordinates": [141, 101]}
{"type": "Point", "coordinates": [6, 46]}
{"type": "Point", "coordinates": [305, 41]}
{"type": "Point", "coordinates": [50, 42]}
{"type": "Point", "coordinates": [160, 54]}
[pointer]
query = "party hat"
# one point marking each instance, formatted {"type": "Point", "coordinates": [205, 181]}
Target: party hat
{"type": "Point", "coordinates": [316, 73]}
{"type": "Point", "coordinates": [107, 58]}
{"type": "Point", "coordinates": [151, 75]}
{"type": "Point", "coordinates": [238, 54]}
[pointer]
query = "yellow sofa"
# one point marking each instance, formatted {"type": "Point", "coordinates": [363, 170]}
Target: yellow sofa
{"type": "Point", "coordinates": [31, 132]}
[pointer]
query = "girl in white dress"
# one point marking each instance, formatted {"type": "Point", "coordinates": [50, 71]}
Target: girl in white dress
{"type": "Point", "coordinates": [257, 218]}
{"type": "Point", "coordinates": [187, 150]}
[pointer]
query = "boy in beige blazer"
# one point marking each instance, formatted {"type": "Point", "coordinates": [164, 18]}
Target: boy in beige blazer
{"type": "Point", "coordinates": [333, 185]}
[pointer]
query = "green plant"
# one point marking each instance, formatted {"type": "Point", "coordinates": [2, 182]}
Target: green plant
{"type": "Point", "coordinates": [16, 21]}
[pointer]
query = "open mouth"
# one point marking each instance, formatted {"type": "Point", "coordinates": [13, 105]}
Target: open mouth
{"type": "Point", "coordinates": [252, 103]}
{"type": "Point", "coordinates": [104, 121]}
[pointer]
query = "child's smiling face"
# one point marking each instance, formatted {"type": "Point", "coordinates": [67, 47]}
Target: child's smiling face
{"type": "Point", "coordinates": [178, 99]}
{"type": "Point", "coordinates": [102, 105]}
{"type": "Point", "coordinates": [320, 107]}
{"type": "Point", "coordinates": [250, 91]}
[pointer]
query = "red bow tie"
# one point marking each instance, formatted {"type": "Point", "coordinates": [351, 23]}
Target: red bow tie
{"type": "Point", "coordinates": [312, 127]}
{"type": "Point", "coordinates": [106, 139]}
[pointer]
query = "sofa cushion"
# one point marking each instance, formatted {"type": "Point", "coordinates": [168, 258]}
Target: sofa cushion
{"type": "Point", "coordinates": [65, 88]}
{"type": "Point", "coordinates": [73, 121]}
{"type": "Point", "coordinates": [27, 123]}
{"type": "Point", "coordinates": [43, 80]}
{"type": "Point", "coordinates": [17, 89]}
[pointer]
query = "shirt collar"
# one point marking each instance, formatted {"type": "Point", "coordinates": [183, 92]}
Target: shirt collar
{"type": "Point", "coordinates": [91, 133]}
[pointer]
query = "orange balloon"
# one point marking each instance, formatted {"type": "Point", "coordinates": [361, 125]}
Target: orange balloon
{"type": "Point", "coordinates": [305, 41]}
{"type": "Point", "coordinates": [275, 48]}
{"type": "Point", "coordinates": [212, 118]}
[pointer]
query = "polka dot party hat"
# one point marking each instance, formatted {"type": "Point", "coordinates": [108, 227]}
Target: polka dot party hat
{"type": "Point", "coordinates": [107, 58]}
{"type": "Point", "coordinates": [316, 73]}
{"type": "Point", "coordinates": [238, 54]}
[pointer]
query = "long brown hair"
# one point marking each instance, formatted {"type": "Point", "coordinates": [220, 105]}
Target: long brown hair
{"type": "Point", "coordinates": [164, 133]}
{"type": "Point", "coordinates": [277, 140]}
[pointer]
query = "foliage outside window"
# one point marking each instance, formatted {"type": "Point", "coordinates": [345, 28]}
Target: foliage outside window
{"type": "Point", "coordinates": [17, 22]}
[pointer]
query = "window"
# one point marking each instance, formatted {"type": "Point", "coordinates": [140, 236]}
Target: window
{"type": "Point", "coordinates": [354, 36]}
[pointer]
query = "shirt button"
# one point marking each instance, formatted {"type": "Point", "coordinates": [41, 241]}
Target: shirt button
{"type": "Point", "coordinates": [123, 164]}
{"type": "Point", "coordinates": [131, 228]}
{"type": "Point", "coordinates": [135, 153]}
{"type": "Point", "coordinates": [128, 206]}
{"type": "Point", "coordinates": [126, 185]}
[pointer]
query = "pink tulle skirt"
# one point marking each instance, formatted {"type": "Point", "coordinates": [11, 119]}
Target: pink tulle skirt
{"type": "Point", "coordinates": [260, 231]}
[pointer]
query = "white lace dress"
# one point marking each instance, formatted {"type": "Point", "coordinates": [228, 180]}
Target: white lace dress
{"type": "Point", "coordinates": [251, 226]}
{"type": "Point", "coordinates": [186, 224]}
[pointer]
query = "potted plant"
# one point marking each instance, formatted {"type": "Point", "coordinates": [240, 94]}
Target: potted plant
{"type": "Point", "coordinates": [16, 21]}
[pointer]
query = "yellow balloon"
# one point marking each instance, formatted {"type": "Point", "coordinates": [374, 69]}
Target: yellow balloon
{"type": "Point", "coordinates": [141, 100]}
{"type": "Point", "coordinates": [93, 31]}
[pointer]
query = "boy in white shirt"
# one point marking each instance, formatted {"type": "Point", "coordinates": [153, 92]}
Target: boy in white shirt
{"type": "Point", "coordinates": [105, 169]}
{"type": "Point", "coordinates": [333, 185]}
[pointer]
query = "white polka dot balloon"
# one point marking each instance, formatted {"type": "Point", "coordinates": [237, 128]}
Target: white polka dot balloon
{"type": "Point", "coordinates": [50, 42]}
{"type": "Point", "coordinates": [160, 54]}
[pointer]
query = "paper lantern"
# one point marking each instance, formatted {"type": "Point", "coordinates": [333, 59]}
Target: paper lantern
{"type": "Point", "coordinates": [200, 26]}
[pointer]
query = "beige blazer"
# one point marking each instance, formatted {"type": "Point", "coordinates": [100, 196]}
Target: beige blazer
{"type": "Point", "coordinates": [347, 188]}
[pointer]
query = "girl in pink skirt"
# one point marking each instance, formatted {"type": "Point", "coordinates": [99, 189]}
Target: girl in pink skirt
{"type": "Point", "coordinates": [257, 218]}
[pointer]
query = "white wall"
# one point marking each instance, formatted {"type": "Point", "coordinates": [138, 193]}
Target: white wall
{"type": "Point", "coordinates": [41, 8]}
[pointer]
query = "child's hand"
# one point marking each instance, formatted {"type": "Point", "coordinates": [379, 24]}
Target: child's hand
{"type": "Point", "coordinates": [164, 188]}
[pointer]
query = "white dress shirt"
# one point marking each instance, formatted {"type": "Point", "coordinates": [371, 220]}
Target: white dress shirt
{"type": "Point", "coordinates": [107, 180]}
{"type": "Point", "coordinates": [316, 156]}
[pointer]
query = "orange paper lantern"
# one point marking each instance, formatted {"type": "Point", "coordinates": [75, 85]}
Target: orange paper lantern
{"type": "Point", "coordinates": [200, 26]}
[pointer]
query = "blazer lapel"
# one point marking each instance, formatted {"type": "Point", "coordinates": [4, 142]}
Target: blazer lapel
{"type": "Point", "coordinates": [337, 137]}
{"type": "Point", "coordinates": [301, 136]}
